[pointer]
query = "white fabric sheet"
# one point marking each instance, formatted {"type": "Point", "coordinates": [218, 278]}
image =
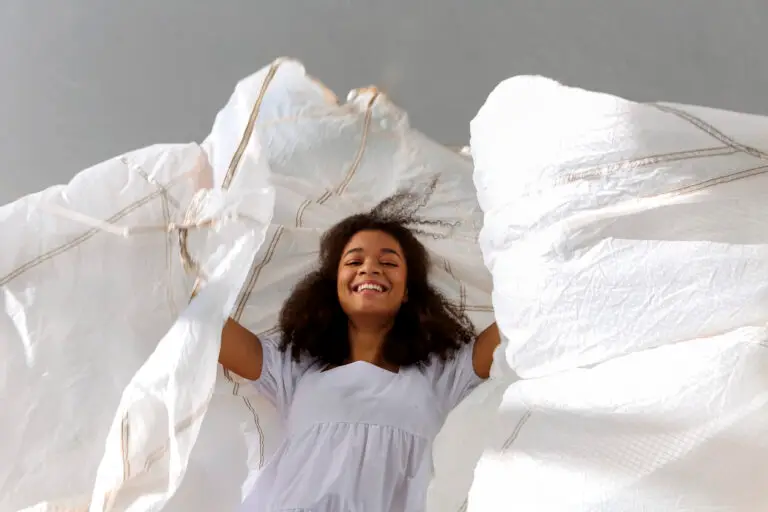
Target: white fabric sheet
{"type": "Point", "coordinates": [627, 254]}
{"type": "Point", "coordinates": [628, 250]}
{"type": "Point", "coordinates": [91, 280]}
{"type": "Point", "coordinates": [82, 321]}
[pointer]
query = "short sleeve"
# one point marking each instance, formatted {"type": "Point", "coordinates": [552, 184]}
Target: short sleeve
{"type": "Point", "coordinates": [279, 375]}
{"type": "Point", "coordinates": [454, 378]}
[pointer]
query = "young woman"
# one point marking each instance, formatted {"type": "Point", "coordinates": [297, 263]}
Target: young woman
{"type": "Point", "coordinates": [369, 362]}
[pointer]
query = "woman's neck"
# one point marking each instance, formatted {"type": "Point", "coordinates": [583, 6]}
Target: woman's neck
{"type": "Point", "coordinates": [366, 342]}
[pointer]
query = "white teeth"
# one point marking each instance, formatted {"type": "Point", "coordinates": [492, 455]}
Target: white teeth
{"type": "Point", "coordinates": [370, 286]}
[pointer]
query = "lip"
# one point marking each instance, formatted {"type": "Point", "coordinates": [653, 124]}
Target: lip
{"type": "Point", "coordinates": [384, 287]}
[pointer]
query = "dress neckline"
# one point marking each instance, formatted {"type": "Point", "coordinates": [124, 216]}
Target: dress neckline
{"type": "Point", "coordinates": [366, 363]}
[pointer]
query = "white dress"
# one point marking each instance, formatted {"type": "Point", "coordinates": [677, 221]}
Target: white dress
{"type": "Point", "coordinates": [358, 437]}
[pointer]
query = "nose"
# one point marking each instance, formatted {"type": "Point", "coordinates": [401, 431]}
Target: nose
{"type": "Point", "coordinates": [369, 268]}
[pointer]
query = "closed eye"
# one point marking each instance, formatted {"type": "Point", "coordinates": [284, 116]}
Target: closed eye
{"type": "Point", "coordinates": [389, 264]}
{"type": "Point", "coordinates": [352, 263]}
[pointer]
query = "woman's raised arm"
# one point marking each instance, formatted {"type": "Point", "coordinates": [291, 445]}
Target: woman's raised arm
{"type": "Point", "coordinates": [241, 351]}
{"type": "Point", "coordinates": [486, 343]}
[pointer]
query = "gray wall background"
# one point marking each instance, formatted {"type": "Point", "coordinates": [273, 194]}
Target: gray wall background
{"type": "Point", "coordinates": [84, 80]}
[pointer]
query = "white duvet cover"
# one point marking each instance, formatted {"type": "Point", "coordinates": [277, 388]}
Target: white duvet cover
{"type": "Point", "coordinates": [629, 255]}
{"type": "Point", "coordinates": [87, 299]}
{"type": "Point", "coordinates": [626, 259]}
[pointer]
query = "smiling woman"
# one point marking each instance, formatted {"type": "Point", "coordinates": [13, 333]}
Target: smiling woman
{"type": "Point", "coordinates": [370, 360]}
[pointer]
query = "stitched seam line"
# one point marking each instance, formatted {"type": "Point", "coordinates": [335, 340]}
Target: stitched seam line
{"type": "Point", "coordinates": [711, 131]}
{"type": "Point", "coordinates": [76, 241]}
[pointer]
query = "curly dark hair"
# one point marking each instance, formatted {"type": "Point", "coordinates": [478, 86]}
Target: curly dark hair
{"type": "Point", "coordinates": [312, 322]}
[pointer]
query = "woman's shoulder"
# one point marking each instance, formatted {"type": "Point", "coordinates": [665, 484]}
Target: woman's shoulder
{"type": "Point", "coordinates": [437, 363]}
{"type": "Point", "coordinates": [279, 355]}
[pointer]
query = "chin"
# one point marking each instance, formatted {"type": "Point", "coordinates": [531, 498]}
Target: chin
{"type": "Point", "coordinates": [371, 310]}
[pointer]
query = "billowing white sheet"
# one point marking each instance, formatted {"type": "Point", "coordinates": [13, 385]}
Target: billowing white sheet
{"type": "Point", "coordinates": [91, 280]}
{"type": "Point", "coordinates": [628, 250]}
{"type": "Point", "coordinates": [627, 254]}
{"type": "Point", "coordinates": [281, 137]}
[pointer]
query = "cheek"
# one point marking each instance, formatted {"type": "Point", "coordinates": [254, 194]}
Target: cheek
{"type": "Point", "coordinates": [343, 278]}
{"type": "Point", "coordinates": [400, 281]}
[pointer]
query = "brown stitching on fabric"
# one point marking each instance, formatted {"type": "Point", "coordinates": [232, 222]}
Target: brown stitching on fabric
{"type": "Point", "coordinates": [157, 454]}
{"type": "Point", "coordinates": [85, 236]}
{"type": "Point", "coordinates": [233, 164]}
{"type": "Point", "coordinates": [124, 440]}
{"type": "Point", "coordinates": [235, 384]}
{"type": "Point", "coordinates": [270, 332]}
{"type": "Point", "coordinates": [197, 414]}
{"type": "Point", "coordinates": [254, 274]}
{"type": "Point", "coordinates": [300, 212]}
{"type": "Point", "coordinates": [252, 409]}
{"type": "Point", "coordinates": [231, 170]}
{"type": "Point", "coordinates": [248, 132]}
{"type": "Point", "coordinates": [516, 432]}
{"type": "Point", "coordinates": [246, 289]}
{"type": "Point", "coordinates": [192, 418]}
{"type": "Point", "coordinates": [636, 163]}
{"type": "Point", "coordinates": [312, 116]}
{"type": "Point", "coordinates": [166, 199]}
{"type": "Point", "coordinates": [109, 500]}
{"type": "Point", "coordinates": [154, 457]}
{"type": "Point", "coordinates": [258, 429]}
{"type": "Point", "coordinates": [711, 130]}
{"type": "Point", "coordinates": [133, 166]}
{"type": "Point", "coordinates": [462, 287]}
{"type": "Point", "coordinates": [720, 180]}
{"type": "Point", "coordinates": [168, 257]}
{"type": "Point", "coordinates": [76, 241]}
{"type": "Point", "coordinates": [341, 188]}
{"type": "Point", "coordinates": [189, 264]}
{"type": "Point", "coordinates": [478, 309]}
{"type": "Point", "coordinates": [249, 405]}
{"type": "Point", "coordinates": [363, 143]}
{"type": "Point", "coordinates": [160, 192]}
{"type": "Point", "coordinates": [323, 198]}
{"type": "Point", "coordinates": [462, 305]}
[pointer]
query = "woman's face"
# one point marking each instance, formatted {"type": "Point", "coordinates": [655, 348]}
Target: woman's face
{"type": "Point", "coordinates": [372, 275]}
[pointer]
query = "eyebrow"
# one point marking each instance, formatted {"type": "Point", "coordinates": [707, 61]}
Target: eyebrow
{"type": "Point", "coordinates": [385, 250]}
